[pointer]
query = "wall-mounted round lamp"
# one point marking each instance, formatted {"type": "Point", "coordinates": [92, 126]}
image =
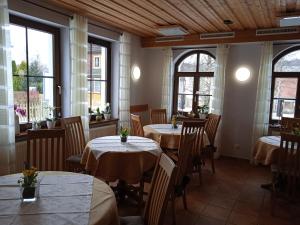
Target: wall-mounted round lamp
{"type": "Point", "coordinates": [242, 74]}
{"type": "Point", "coordinates": [136, 73]}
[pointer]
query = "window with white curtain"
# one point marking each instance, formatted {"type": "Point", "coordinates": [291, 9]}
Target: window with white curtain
{"type": "Point", "coordinates": [35, 68]}
{"type": "Point", "coordinates": [193, 74]}
{"type": "Point", "coordinates": [285, 100]}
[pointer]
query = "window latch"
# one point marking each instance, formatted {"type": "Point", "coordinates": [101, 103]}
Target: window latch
{"type": "Point", "coordinates": [59, 89]}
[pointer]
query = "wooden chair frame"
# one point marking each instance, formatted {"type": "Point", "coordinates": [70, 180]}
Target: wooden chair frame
{"type": "Point", "coordinates": [75, 141]}
{"type": "Point", "coordinates": [158, 116]}
{"type": "Point", "coordinates": [46, 149]}
{"type": "Point", "coordinates": [136, 125]}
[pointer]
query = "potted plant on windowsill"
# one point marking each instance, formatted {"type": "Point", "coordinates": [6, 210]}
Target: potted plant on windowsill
{"type": "Point", "coordinates": [107, 111]}
{"type": "Point", "coordinates": [124, 132]}
{"type": "Point", "coordinates": [51, 119]}
{"type": "Point", "coordinates": [19, 112]}
{"type": "Point", "coordinates": [203, 111]}
{"type": "Point", "coordinates": [90, 113]}
{"type": "Point", "coordinates": [29, 185]}
{"type": "Point", "coordinates": [98, 115]}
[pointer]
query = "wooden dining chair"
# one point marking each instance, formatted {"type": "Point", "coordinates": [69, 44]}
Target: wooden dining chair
{"type": "Point", "coordinates": [288, 124]}
{"type": "Point", "coordinates": [161, 186]}
{"type": "Point", "coordinates": [136, 126]}
{"type": "Point", "coordinates": [46, 149]}
{"type": "Point", "coordinates": [141, 110]}
{"type": "Point", "coordinates": [187, 143]}
{"type": "Point", "coordinates": [286, 172]}
{"type": "Point", "coordinates": [196, 152]}
{"type": "Point", "coordinates": [75, 142]}
{"type": "Point", "coordinates": [158, 116]}
{"type": "Point", "coordinates": [211, 127]}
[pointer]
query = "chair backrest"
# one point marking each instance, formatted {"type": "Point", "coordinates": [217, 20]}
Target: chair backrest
{"type": "Point", "coordinates": [74, 135]}
{"type": "Point", "coordinates": [46, 149]}
{"type": "Point", "coordinates": [161, 186]}
{"type": "Point", "coordinates": [287, 124]}
{"type": "Point", "coordinates": [288, 164]}
{"type": "Point", "coordinates": [141, 110]}
{"type": "Point", "coordinates": [186, 145]}
{"type": "Point", "coordinates": [211, 127]}
{"type": "Point", "coordinates": [198, 127]}
{"type": "Point", "coordinates": [158, 116]}
{"type": "Point", "coordinates": [136, 126]}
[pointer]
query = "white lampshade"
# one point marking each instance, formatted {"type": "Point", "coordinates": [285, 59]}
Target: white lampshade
{"type": "Point", "coordinates": [242, 74]}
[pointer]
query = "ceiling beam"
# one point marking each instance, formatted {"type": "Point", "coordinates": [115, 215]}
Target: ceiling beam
{"type": "Point", "coordinates": [240, 37]}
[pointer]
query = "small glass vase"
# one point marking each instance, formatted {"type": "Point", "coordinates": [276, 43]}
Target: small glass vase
{"type": "Point", "coordinates": [30, 193]}
{"type": "Point", "coordinates": [123, 138]}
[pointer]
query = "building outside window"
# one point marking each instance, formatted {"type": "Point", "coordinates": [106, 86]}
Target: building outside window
{"type": "Point", "coordinates": [35, 67]}
{"type": "Point", "coordinates": [99, 64]}
{"type": "Point", "coordinates": [193, 76]}
{"type": "Point", "coordinates": [285, 99]}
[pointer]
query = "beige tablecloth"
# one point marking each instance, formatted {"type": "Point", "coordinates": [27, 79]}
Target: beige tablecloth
{"type": "Point", "coordinates": [166, 135]}
{"type": "Point", "coordinates": [65, 198]}
{"type": "Point", "coordinates": [110, 159]}
{"type": "Point", "coordinates": [265, 150]}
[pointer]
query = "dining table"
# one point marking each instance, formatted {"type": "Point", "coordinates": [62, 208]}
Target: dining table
{"type": "Point", "coordinates": [166, 135]}
{"type": "Point", "coordinates": [265, 150]}
{"type": "Point", "coordinates": [111, 160]}
{"type": "Point", "coordinates": [64, 198]}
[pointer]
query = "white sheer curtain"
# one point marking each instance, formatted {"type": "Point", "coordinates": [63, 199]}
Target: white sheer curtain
{"type": "Point", "coordinates": [7, 127]}
{"type": "Point", "coordinates": [124, 95]}
{"type": "Point", "coordinates": [263, 94]}
{"type": "Point", "coordinates": [166, 101]}
{"type": "Point", "coordinates": [79, 85]}
{"type": "Point", "coordinates": [218, 87]}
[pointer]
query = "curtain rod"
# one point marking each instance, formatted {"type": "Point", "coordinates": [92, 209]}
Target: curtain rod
{"type": "Point", "coordinates": [70, 16]}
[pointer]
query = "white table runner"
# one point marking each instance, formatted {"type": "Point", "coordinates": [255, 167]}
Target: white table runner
{"type": "Point", "coordinates": [102, 145]}
{"type": "Point", "coordinates": [64, 199]}
{"type": "Point", "coordinates": [166, 128]}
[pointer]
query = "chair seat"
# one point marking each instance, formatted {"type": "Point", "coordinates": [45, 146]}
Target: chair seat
{"type": "Point", "coordinates": [131, 220]}
{"type": "Point", "coordinates": [74, 158]}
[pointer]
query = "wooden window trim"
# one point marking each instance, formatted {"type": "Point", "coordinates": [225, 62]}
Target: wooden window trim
{"type": "Point", "coordinates": [196, 76]}
{"type": "Point", "coordinates": [107, 45]}
{"type": "Point", "coordinates": [16, 20]}
{"type": "Point", "coordinates": [284, 75]}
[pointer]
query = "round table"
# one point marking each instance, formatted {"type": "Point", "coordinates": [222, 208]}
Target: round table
{"type": "Point", "coordinates": [65, 198]}
{"type": "Point", "coordinates": [111, 160]}
{"type": "Point", "coordinates": [167, 136]}
{"type": "Point", "coordinates": [265, 150]}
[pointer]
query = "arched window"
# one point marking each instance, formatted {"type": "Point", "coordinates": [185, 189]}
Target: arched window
{"type": "Point", "coordinates": [286, 85]}
{"type": "Point", "coordinates": [193, 76]}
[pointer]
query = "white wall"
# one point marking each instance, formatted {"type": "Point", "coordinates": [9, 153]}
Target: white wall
{"type": "Point", "coordinates": [239, 101]}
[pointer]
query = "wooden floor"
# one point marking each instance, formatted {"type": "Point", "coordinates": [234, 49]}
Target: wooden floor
{"type": "Point", "coordinates": [232, 196]}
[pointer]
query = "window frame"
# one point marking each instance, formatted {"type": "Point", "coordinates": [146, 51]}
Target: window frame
{"type": "Point", "coordinates": [31, 24]}
{"type": "Point", "coordinates": [196, 75]}
{"type": "Point", "coordinates": [284, 75]}
{"type": "Point", "coordinates": [107, 45]}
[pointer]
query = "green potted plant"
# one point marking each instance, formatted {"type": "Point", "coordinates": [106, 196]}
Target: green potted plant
{"type": "Point", "coordinates": [107, 111]}
{"type": "Point", "coordinates": [29, 186]}
{"type": "Point", "coordinates": [98, 114]}
{"type": "Point", "coordinates": [203, 111]}
{"type": "Point", "coordinates": [51, 119]}
{"type": "Point", "coordinates": [174, 122]}
{"type": "Point", "coordinates": [90, 113]}
{"type": "Point", "coordinates": [124, 132]}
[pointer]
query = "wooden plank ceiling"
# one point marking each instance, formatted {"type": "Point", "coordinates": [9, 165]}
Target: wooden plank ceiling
{"type": "Point", "coordinates": [143, 17]}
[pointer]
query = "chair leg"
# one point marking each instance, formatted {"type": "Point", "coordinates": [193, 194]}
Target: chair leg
{"type": "Point", "coordinates": [141, 193]}
{"type": "Point", "coordinates": [200, 173]}
{"type": "Point", "coordinates": [212, 161]}
{"type": "Point", "coordinates": [173, 210]}
{"type": "Point", "coordinates": [184, 199]}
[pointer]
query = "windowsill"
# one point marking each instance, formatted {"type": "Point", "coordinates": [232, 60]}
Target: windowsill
{"type": "Point", "coordinates": [92, 124]}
